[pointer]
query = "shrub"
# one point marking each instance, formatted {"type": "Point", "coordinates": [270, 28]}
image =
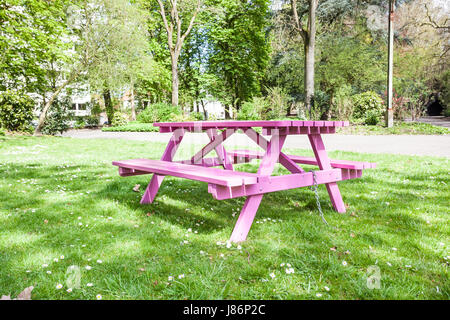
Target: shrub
{"type": "Point", "coordinates": [58, 117]}
{"type": "Point", "coordinates": [342, 104]}
{"type": "Point", "coordinates": [16, 110]}
{"type": "Point", "coordinates": [2, 132]}
{"type": "Point", "coordinates": [368, 106]}
{"type": "Point", "coordinates": [119, 119]}
{"type": "Point", "coordinates": [92, 121]}
{"type": "Point", "coordinates": [196, 116]}
{"type": "Point", "coordinates": [277, 103]}
{"type": "Point", "coordinates": [252, 110]}
{"type": "Point", "coordinates": [159, 112]}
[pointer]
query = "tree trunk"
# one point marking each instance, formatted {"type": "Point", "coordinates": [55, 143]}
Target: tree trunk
{"type": "Point", "coordinates": [309, 44]}
{"type": "Point", "coordinates": [108, 105]}
{"type": "Point", "coordinates": [175, 81]}
{"type": "Point", "coordinates": [133, 109]}
{"type": "Point", "coordinates": [47, 106]}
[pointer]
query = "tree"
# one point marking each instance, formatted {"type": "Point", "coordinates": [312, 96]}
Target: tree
{"type": "Point", "coordinates": [238, 49]}
{"type": "Point", "coordinates": [98, 27]}
{"type": "Point", "coordinates": [31, 41]}
{"type": "Point", "coordinates": [173, 15]}
{"type": "Point", "coordinates": [308, 35]}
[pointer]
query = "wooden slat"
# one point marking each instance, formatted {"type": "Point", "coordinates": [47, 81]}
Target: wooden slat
{"type": "Point", "coordinates": [198, 173]}
{"type": "Point", "coordinates": [343, 164]}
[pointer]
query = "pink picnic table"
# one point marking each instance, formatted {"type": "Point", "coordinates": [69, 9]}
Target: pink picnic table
{"type": "Point", "coordinates": [226, 183]}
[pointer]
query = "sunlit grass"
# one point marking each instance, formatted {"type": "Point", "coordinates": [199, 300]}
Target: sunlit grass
{"type": "Point", "coordinates": [62, 197]}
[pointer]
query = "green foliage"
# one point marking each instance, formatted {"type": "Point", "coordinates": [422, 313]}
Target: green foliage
{"type": "Point", "coordinates": [158, 112]}
{"type": "Point", "coordinates": [271, 107]}
{"type": "Point", "coordinates": [342, 104]}
{"type": "Point", "coordinates": [238, 48]}
{"type": "Point", "coordinates": [92, 120]}
{"type": "Point", "coordinates": [119, 119]}
{"type": "Point", "coordinates": [58, 119]}
{"type": "Point", "coordinates": [253, 110]}
{"type": "Point", "coordinates": [31, 43]}
{"type": "Point", "coordinates": [2, 131]}
{"type": "Point", "coordinates": [16, 110]}
{"type": "Point", "coordinates": [278, 103]}
{"type": "Point", "coordinates": [132, 127]}
{"type": "Point", "coordinates": [368, 107]}
{"type": "Point", "coordinates": [197, 116]}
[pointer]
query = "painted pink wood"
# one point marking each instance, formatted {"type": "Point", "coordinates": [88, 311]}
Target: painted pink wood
{"type": "Point", "coordinates": [210, 175]}
{"type": "Point", "coordinates": [324, 164]}
{"type": "Point", "coordinates": [198, 126]}
{"type": "Point", "coordinates": [169, 153]}
{"type": "Point", "coordinates": [216, 142]}
{"type": "Point", "coordinates": [343, 164]}
{"type": "Point", "coordinates": [224, 159]}
{"type": "Point", "coordinates": [283, 159]}
{"type": "Point", "coordinates": [252, 203]}
{"type": "Point", "coordinates": [275, 183]}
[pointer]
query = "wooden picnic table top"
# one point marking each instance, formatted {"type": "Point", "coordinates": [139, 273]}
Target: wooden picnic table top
{"type": "Point", "coordinates": [249, 124]}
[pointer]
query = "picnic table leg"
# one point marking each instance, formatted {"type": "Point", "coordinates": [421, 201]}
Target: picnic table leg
{"type": "Point", "coordinates": [169, 153]}
{"type": "Point", "coordinates": [252, 203]}
{"type": "Point", "coordinates": [220, 150]}
{"type": "Point", "coordinates": [324, 164]}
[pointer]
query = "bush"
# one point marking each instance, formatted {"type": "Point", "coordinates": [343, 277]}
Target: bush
{"type": "Point", "coordinates": [342, 104]}
{"type": "Point", "coordinates": [159, 112]}
{"type": "Point", "coordinates": [119, 119]}
{"type": "Point", "coordinates": [16, 110]}
{"type": "Point", "coordinates": [2, 132]}
{"type": "Point", "coordinates": [368, 107]}
{"type": "Point", "coordinates": [277, 103]}
{"type": "Point", "coordinates": [58, 117]}
{"type": "Point", "coordinates": [252, 110]}
{"type": "Point", "coordinates": [92, 121]}
{"type": "Point", "coordinates": [196, 116]}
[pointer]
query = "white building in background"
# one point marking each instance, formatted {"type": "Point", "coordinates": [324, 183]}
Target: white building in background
{"type": "Point", "coordinates": [80, 105]}
{"type": "Point", "coordinates": [214, 109]}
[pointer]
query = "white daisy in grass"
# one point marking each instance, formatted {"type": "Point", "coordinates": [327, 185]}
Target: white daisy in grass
{"type": "Point", "coordinates": [89, 284]}
{"type": "Point", "coordinates": [389, 264]}
{"type": "Point", "coordinates": [326, 288]}
{"type": "Point", "coordinates": [49, 272]}
{"type": "Point", "coordinates": [344, 263]}
{"type": "Point", "coordinates": [88, 267]}
{"type": "Point", "coordinates": [69, 290]}
{"type": "Point", "coordinates": [59, 286]}
{"type": "Point", "coordinates": [228, 244]}
{"type": "Point", "coordinates": [99, 261]}
{"type": "Point", "coordinates": [318, 295]}
{"type": "Point", "coordinates": [239, 247]}
{"type": "Point", "coordinates": [170, 278]}
{"type": "Point", "coordinates": [272, 275]}
{"type": "Point", "coordinates": [61, 257]}
{"type": "Point", "coordinates": [56, 259]}
{"type": "Point", "coordinates": [99, 297]}
{"type": "Point", "coordinates": [44, 265]}
{"type": "Point", "coordinates": [282, 264]}
{"type": "Point", "coordinates": [181, 276]}
{"type": "Point", "coordinates": [290, 270]}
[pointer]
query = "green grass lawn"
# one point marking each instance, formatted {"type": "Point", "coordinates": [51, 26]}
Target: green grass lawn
{"type": "Point", "coordinates": [63, 204]}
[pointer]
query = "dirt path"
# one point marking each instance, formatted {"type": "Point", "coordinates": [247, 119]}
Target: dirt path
{"type": "Point", "coordinates": [427, 145]}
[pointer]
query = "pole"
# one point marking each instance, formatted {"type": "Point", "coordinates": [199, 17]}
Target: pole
{"type": "Point", "coordinates": [389, 111]}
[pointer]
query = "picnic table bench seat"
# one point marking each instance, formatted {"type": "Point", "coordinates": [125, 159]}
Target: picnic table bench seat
{"type": "Point", "coordinates": [206, 174]}
{"type": "Point", "coordinates": [247, 155]}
